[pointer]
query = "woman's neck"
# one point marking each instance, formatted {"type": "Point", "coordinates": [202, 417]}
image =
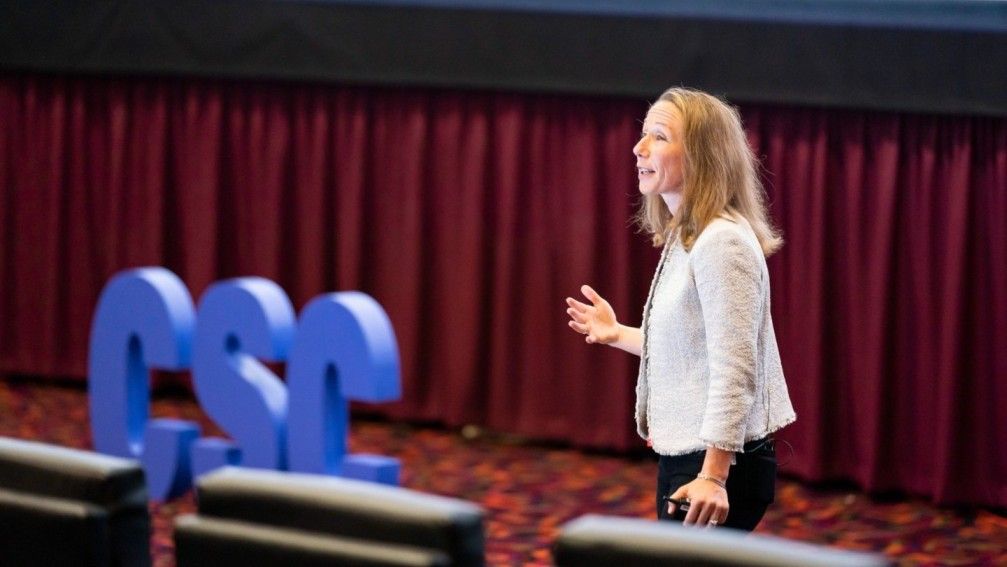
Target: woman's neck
{"type": "Point", "coordinates": [672, 201]}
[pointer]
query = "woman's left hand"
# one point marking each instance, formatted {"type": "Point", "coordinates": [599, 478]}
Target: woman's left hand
{"type": "Point", "coordinates": [708, 504]}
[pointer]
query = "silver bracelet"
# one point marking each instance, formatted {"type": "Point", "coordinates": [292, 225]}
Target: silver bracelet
{"type": "Point", "coordinates": [713, 479]}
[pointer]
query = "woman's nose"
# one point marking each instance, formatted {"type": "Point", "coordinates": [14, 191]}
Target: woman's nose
{"type": "Point", "coordinates": [639, 148]}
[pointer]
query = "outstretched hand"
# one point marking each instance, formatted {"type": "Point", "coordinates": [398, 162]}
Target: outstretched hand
{"type": "Point", "coordinates": [597, 321]}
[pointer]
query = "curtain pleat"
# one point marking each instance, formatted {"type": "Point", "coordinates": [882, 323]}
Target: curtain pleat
{"type": "Point", "coordinates": [470, 216]}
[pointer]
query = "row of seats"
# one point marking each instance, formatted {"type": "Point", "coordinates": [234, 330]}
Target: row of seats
{"type": "Point", "coordinates": [63, 506]}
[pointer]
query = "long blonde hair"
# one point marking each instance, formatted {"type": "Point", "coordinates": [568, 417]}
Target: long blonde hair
{"type": "Point", "coordinates": [720, 175]}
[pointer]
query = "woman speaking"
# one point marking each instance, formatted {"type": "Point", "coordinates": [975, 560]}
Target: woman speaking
{"type": "Point", "coordinates": [710, 391]}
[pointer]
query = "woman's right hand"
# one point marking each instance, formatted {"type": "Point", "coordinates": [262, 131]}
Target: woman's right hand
{"type": "Point", "coordinates": [597, 321]}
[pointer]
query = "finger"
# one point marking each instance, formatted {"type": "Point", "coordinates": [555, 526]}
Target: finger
{"type": "Point", "coordinates": [591, 294]}
{"type": "Point", "coordinates": [705, 515]}
{"type": "Point", "coordinates": [695, 510]}
{"type": "Point", "coordinates": [720, 516]}
{"type": "Point", "coordinates": [672, 507]}
{"type": "Point", "coordinates": [580, 328]}
{"type": "Point", "coordinates": [691, 515]}
{"type": "Point", "coordinates": [577, 305]}
{"type": "Point", "coordinates": [680, 494]}
{"type": "Point", "coordinates": [577, 316]}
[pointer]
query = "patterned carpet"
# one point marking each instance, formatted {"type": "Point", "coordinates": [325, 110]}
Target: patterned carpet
{"type": "Point", "coordinates": [529, 490]}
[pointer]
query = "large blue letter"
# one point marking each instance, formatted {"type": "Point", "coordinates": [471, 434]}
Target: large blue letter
{"type": "Point", "coordinates": [240, 321]}
{"type": "Point", "coordinates": [144, 319]}
{"type": "Point", "coordinates": [345, 350]}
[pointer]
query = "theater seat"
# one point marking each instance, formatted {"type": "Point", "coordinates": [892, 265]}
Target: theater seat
{"type": "Point", "coordinates": [591, 541]}
{"type": "Point", "coordinates": [284, 519]}
{"type": "Point", "coordinates": [61, 506]}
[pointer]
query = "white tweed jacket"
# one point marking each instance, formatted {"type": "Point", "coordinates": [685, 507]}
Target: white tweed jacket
{"type": "Point", "coordinates": [710, 372]}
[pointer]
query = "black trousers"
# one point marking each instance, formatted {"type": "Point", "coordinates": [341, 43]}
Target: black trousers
{"type": "Point", "coordinates": [751, 486]}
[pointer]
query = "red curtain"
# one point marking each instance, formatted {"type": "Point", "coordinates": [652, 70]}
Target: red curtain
{"type": "Point", "coordinates": [470, 216]}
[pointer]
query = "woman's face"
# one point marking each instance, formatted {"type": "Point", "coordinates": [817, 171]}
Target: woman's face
{"type": "Point", "coordinates": [659, 151]}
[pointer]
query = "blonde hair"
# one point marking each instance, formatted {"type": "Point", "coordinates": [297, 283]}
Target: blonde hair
{"type": "Point", "coordinates": [720, 175]}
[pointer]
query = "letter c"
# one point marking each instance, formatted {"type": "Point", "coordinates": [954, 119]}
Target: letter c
{"type": "Point", "coordinates": [144, 319]}
{"type": "Point", "coordinates": [345, 350]}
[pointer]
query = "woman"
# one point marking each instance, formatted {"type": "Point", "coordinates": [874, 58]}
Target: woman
{"type": "Point", "coordinates": [710, 390]}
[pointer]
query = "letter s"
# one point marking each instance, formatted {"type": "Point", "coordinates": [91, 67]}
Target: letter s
{"type": "Point", "coordinates": [240, 321]}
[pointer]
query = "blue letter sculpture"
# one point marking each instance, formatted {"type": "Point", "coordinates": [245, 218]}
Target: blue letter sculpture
{"type": "Point", "coordinates": [345, 350]}
{"type": "Point", "coordinates": [144, 319]}
{"type": "Point", "coordinates": [240, 321]}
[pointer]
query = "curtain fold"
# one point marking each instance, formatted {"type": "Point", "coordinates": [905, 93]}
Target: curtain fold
{"type": "Point", "coordinates": [471, 215]}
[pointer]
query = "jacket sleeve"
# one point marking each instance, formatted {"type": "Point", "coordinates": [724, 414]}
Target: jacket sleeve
{"type": "Point", "coordinates": [729, 274]}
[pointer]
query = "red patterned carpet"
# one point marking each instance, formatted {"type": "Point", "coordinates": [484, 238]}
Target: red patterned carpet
{"type": "Point", "coordinates": [529, 490]}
